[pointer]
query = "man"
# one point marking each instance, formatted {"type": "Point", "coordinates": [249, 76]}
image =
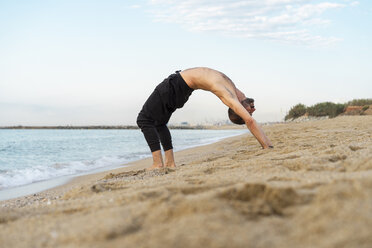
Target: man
{"type": "Point", "coordinates": [174, 92]}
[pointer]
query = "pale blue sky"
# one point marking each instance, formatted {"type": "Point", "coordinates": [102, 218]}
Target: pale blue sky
{"type": "Point", "coordinates": [95, 62]}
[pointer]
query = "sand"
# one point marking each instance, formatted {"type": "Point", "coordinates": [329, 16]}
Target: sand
{"type": "Point", "coordinates": [313, 190]}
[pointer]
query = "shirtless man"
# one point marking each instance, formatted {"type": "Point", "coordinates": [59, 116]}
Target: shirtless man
{"type": "Point", "coordinates": [174, 92]}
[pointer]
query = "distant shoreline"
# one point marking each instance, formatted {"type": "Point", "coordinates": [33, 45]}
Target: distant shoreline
{"type": "Point", "coordinates": [126, 127]}
{"type": "Point", "coordinates": [70, 127]}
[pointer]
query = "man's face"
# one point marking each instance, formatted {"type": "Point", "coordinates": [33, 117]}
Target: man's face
{"type": "Point", "coordinates": [249, 107]}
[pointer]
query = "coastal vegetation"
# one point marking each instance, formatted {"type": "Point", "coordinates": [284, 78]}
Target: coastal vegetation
{"type": "Point", "coordinates": [360, 102]}
{"type": "Point", "coordinates": [330, 109]}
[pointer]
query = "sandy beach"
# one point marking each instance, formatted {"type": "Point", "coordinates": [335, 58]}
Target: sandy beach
{"type": "Point", "coordinates": [314, 189]}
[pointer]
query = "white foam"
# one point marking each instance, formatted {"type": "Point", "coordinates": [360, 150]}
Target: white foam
{"type": "Point", "coordinates": [25, 176]}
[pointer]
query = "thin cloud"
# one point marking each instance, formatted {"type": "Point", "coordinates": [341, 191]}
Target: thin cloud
{"type": "Point", "coordinates": [280, 20]}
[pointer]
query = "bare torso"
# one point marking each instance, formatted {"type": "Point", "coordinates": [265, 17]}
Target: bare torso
{"type": "Point", "coordinates": [211, 80]}
{"type": "Point", "coordinates": [201, 77]}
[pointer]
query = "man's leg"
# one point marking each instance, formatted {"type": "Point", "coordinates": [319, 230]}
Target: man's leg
{"type": "Point", "coordinates": [169, 159]}
{"type": "Point", "coordinates": [157, 160]}
{"type": "Point", "coordinates": [149, 131]}
{"type": "Point", "coordinates": [166, 142]}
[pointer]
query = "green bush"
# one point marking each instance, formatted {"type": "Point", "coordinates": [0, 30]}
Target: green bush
{"type": "Point", "coordinates": [359, 102]}
{"type": "Point", "coordinates": [296, 111]}
{"type": "Point", "coordinates": [365, 107]}
{"type": "Point", "coordinates": [326, 109]}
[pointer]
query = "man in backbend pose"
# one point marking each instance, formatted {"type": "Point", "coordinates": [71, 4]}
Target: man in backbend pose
{"type": "Point", "coordinates": [174, 92]}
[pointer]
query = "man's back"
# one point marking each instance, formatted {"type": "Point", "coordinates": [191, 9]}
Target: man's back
{"type": "Point", "coordinates": [203, 78]}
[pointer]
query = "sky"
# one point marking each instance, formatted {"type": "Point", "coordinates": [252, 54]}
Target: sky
{"type": "Point", "coordinates": [96, 62]}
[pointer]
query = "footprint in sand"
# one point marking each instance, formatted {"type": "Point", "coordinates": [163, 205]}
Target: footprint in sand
{"type": "Point", "coordinates": [124, 174]}
{"type": "Point", "coordinates": [355, 148]}
{"type": "Point", "coordinates": [255, 199]}
{"type": "Point", "coordinates": [336, 158]}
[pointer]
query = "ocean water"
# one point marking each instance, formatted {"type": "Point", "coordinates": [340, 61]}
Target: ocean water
{"type": "Point", "coordinates": [29, 156]}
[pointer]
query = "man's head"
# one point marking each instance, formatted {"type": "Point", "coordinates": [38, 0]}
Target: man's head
{"type": "Point", "coordinates": [248, 104]}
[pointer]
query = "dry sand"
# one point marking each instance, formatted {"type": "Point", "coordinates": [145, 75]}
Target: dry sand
{"type": "Point", "coordinates": [313, 190]}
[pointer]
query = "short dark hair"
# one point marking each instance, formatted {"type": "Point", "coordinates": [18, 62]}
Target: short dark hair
{"type": "Point", "coordinates": [234, 117]}
{"type": "Point", "coordinates": [247, 101]}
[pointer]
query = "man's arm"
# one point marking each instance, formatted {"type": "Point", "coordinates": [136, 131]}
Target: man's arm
{"type": "Point", "coordinates": [251, 124]}
{"type": "Point", "coordinates": [240, 94]}
{"type": "Point", "coordinates": [259, 134]}
{"type": "Point", "coordinates": [222, 86]}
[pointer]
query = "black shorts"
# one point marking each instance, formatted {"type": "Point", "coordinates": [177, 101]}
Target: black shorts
{"type": "Point", "coordinates": [168, 96]}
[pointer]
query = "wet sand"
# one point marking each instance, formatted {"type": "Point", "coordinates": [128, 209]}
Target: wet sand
{"type": "Point", "coordinates": [313, 190]}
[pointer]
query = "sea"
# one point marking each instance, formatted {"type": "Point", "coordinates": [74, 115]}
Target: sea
{"type": "Point", "coordinates": [28, 156]}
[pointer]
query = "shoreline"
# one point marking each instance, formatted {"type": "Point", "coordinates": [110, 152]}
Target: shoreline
{"type": "Point", "coordinates": [50, 184]}
{"type": "Point", "coordinates": [313, 189]}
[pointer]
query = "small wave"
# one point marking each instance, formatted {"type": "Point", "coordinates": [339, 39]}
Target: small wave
{"type": "Point", "coordinates": [7, 148]}
{"type": "Point", "coordinates": [18, 177]}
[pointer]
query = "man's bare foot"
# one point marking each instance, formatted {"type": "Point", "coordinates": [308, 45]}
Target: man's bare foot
{"type": "Point", "coordinates": [157, 160]}
{"type": "Point", "coordinates": [172, 165]}
{"type": "Point", "coordinates": [155, 166]}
